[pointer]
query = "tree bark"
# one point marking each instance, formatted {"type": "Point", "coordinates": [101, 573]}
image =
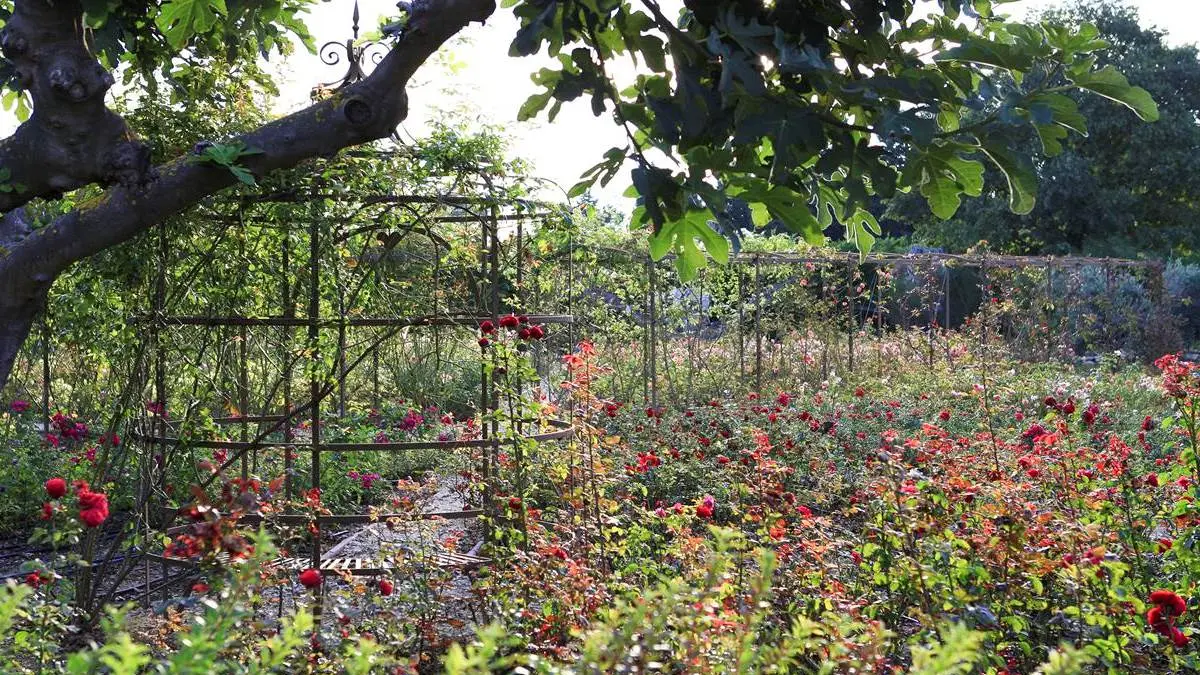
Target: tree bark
{"type": "Point", "coordinates": [30, 260]}
{"type": "Point", "coordinates": [71, 139]}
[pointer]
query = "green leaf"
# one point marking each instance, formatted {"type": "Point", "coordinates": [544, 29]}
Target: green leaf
{"type": "Point", "coordinates": [863, 229]}
{"type": "Point", "coordinates": [986, 52]}
{"type": "Point", "coordinates": [661, 241]}
{"type": "Point", "coordinates": [179, 20]}
{"type": "Point", "coordinates": [1051, 136]}
{"type": "Point", "coordinates": [942, 195]}
{"type": "Point", "coordinates": [942, 176]}
{"type": "Point", "coordinates": [532, 106]}
{"type": "Point", "coordinates": [1063, 110]}
{"type": "Point", "coordinates": [716, 245]}
{"type": "Point", "coordinates": [1022, 182]}
{"type": "Point", "coordinates": [1111, 84]}
{"type": "Point", "coordinates": [759, 214]}
{"type": "Point", "coordinates": [786, 205]}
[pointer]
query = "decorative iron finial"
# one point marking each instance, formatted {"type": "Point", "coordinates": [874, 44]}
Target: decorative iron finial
{"type": "Point", "coordinates": [356, 53]}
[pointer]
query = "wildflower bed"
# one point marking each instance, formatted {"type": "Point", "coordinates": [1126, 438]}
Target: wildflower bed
{"type": "Point", "coordinates": [1003, 519]}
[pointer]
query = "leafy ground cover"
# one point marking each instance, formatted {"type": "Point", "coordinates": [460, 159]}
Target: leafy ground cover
{"type": "Point", "coordinates": [999, 518]}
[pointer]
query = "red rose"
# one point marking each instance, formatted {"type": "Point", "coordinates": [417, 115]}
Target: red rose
{"type": "Point", "coordinates": [1154, 617]}
{"type": "Point", "coordinates": [509, 321]}
{"type": "Point", "coordinates": [310, 578]}
{"type": "Point", "coordinates": [1169, 601]}
{"type": "Point", "coordinates": [524, 333]}
{"type": "Point", "coordinates": [1178, 638]}
{"type": "Point", "coordinates": [56, 487]}
{"type": "Point", "coordinates": [93, 507]}
{"type": "Point", "coordinates": [484, 342]}
{"type": "Point", "coordinates": [385, 587]}
{"type": "Point", "coordinates": [705, 509]}
{"type": "Point", "coordinates": [47, 511]}
{"type": "Point", "coordinates": [537, 332]}
{"type": "Point", "coordinates": [200, 587]}
{"type": "Point", "coordinates": [487, 327]}
{"type": "Point", "coordinates": [1049, 402]}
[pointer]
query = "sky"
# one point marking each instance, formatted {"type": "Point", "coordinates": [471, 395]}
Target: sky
{"type": "Point", "coordinates": [493, 85]}
{"type": "Point", "coordinates": [475, 77]}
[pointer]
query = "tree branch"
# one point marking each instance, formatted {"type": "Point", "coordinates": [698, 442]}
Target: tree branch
{"type": "Point", "coordinates": [365, 111]}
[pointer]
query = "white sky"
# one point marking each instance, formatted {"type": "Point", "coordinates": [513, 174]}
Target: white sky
{"type": "Point", "coordinates": [492, 85]}
{"type": "Point", "coordinates": [495, 85]}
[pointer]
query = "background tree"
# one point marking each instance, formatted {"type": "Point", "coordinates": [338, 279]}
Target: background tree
{"type": "Point", "coordinates": [1125, 189]}
{"type": "Point", "coordinates": [804, 110]}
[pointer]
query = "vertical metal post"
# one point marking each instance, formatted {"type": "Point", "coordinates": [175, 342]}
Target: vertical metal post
{"type": "Point", "coordinates": [852, 320]}
{"type": "Point", "coordinates": [492, 393]}
{"type": "Point", "coordinates": [160, 381]}
{"type": "Point", "coordinates": [985, 304]}
{"type": "Point", "coordinates": [289, 312]}
{"type": "Point", "coordinates": [946, 308]}
{"type": "Point", "coordinates": [1049, 307]}
{"type": "Point", "coordinates": [646, 340]}
{"type": "Point", "coordinates": [653, 334]}
{"type": "Point", "coordinates": [484, 307]}
{"type": "Point", "coordinates": [46, 347]}
{"type": "Point", "coordinates": [698, 292]}
{"type": "Point", "coordinates": [879, 318]}
{"type": "Point", "coordinates": [375, 378]}
{"type": "Point", "coordinates": [341, 346]}
{"type": "Point", "coordinates": [244, 399]}
{"type": "Point", "coordinates": [931, 325]}
{"type": "Point", "coordinates": [1109, 305]}
{"type": "Point", "coordinates": [570, 308]}
{"type": "Point", "coordinates": [757, 323]}
{"type": "Point", "coordinates": [314, 388]}
{"type": "Point", "coordinates": [437, 289]}
{"type": "Point", "coordinates": [518, 260]}
{"type": "Point", "coordinates": [741, 324]}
